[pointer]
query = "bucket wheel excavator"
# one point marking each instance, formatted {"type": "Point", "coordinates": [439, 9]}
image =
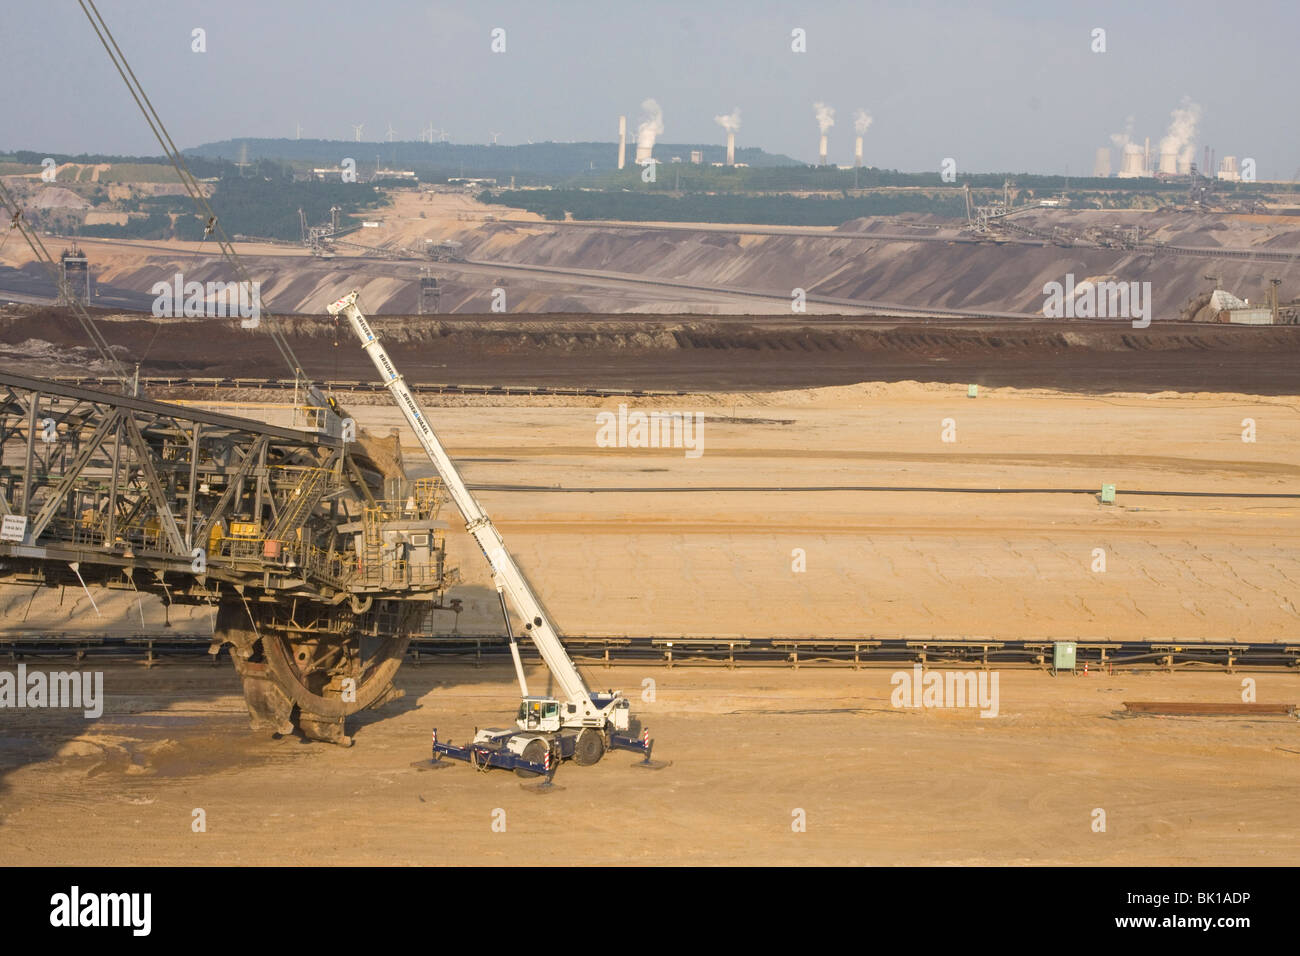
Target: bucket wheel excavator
{"type": "Point", "coordinates": [316, 554]}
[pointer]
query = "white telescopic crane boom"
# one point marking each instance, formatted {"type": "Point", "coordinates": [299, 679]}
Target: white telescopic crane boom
{"type": "Point", "coordinates": [505, 572]}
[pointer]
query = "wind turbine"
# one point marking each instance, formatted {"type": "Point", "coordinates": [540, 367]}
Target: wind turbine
{"type": "Point", "coordinates": [356, 131]}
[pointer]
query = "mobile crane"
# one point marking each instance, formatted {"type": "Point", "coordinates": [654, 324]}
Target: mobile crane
{"type": "Point", "coordinates": [580, 725]}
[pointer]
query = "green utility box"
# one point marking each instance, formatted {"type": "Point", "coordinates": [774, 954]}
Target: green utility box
{"type": "Point", "coordinates": [972, 391]}
{"type": "Point", "coordinates": [1108, 494]}
{"type": "Point", "coordinates": [1063, 656]}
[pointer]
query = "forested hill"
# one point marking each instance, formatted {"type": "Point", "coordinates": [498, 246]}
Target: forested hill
{"type": "Point", "coordinates": [456, 159]}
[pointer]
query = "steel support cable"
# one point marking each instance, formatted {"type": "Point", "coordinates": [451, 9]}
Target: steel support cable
{"type": "Point", "coordinates": [136, 89]}
{"type": "Point", "coordinates": [19, 222]}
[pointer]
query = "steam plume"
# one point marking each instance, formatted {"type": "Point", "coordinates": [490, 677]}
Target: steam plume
{"type": "Point", "coordinates": [651, 127]}
{"type": "Point", "coordinates": [825, 116]}
{"type": "Point", "coordinates": [1182, 131]}
{"type": "Point", "coordinates": [1122, 140]}
{"type": "Point", "coordinates": [730, 122]}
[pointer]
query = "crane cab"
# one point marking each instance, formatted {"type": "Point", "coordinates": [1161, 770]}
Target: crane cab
{"type": "Point", "coordinates": [538, 713]}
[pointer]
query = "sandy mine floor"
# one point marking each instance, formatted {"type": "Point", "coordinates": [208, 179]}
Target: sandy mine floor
{"type": "Point", "coordinates": [749, 748]}
{"type": "Point", "coordinates": [646, 541]}
{"type": "Point", "coordinates": [716, 555]}
{"type": "Point", "coordinates": [612, 550]}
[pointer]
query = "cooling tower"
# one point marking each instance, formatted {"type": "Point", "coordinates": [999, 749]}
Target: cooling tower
{"type": "Point", "coordinates": [1101, 165]}
{"type": "Point", "coordinates": [731, 149]}
{"type": "Point", "coordinates": [1169, 163]}
{"type": "Point", "coordinates": [1131, 163]}
{"type": "Point", "coordinates": [622, 140]}
{"type": "Point", "coordinates": [821, 151]}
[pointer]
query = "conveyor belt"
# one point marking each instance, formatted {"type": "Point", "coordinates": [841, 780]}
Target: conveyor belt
{"type": "Point", "coordinates": [732, 651]}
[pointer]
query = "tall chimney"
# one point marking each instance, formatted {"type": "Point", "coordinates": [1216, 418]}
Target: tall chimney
{"type": "Point", "coordinates": [822, 150]}
{"type": "Point", "coordinates": [1146, 161]}
{"type": "Point", "coordinates": [857, 152]}
{"type": "Point", "coordinates": [622, 140]}
{"type": "Point", "coordinates": [731, 149]}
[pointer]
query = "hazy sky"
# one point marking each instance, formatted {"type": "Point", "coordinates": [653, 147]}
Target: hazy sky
{"type": "Point", "coordinates": [998, 86]}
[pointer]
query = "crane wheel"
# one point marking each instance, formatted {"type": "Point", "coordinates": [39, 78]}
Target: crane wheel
{"type": "Point", "coordinates": [535, 752]}
{"type": "Point", "coordinates": [589, 747]}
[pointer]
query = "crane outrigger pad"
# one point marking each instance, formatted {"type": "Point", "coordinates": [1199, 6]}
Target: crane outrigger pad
{"type": "Point", "coordinates": [652, 764]}
{"type": "Point", "coordinates": [641, 745]}
{"type": "Point", "coordinates": [540, 789]}
{"type": "Point", "coordinates": [430, 764]}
